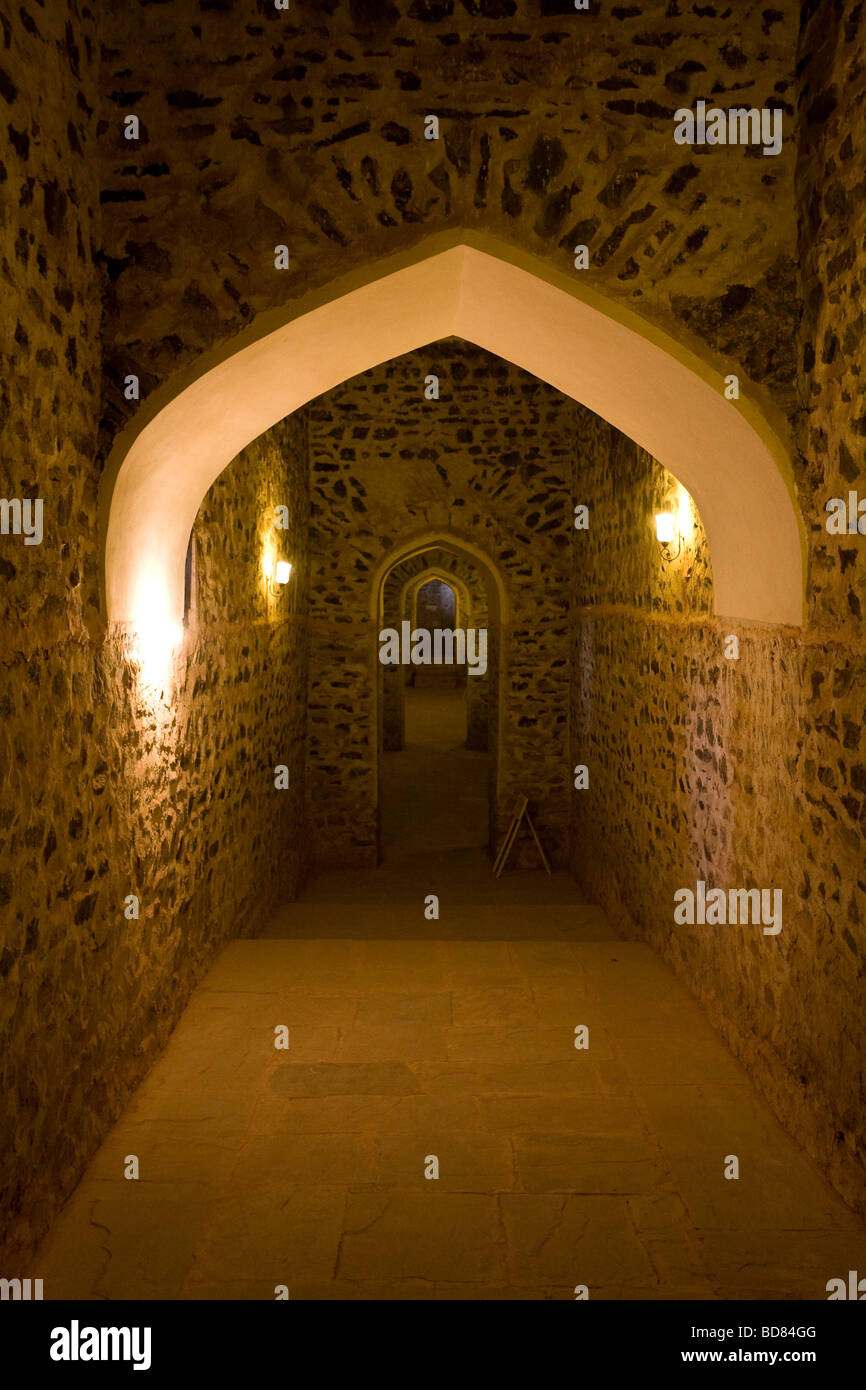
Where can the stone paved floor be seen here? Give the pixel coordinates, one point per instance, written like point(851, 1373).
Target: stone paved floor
point(455, 1038)
point(557, 1167)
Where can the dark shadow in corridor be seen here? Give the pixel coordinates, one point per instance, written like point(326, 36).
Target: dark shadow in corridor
point(434, 835)
point(434, 830)
point(434, 791)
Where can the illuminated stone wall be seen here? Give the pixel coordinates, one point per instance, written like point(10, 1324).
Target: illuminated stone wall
point(745, 773)
point(306, 128)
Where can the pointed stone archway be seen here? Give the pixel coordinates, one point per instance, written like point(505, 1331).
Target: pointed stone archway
point(638, 378)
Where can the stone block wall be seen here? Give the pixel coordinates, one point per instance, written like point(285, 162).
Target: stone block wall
point(831, 382)
point(51, 380)
point(699, 768)
point(112, 790)
point(306, 128)
point(489, 462)
point(52, 767)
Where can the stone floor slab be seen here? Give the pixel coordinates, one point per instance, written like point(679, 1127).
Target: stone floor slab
point(262, 1167)
point(573, 1240)
point(430, 1234)
point(586, 1163)
point(468, 1161)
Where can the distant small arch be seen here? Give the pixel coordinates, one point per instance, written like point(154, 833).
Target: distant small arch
point(448, 540)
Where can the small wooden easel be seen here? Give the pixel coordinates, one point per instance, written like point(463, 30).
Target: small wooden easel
point(520, 811)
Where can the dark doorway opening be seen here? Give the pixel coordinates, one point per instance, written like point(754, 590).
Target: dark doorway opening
point(435, 768)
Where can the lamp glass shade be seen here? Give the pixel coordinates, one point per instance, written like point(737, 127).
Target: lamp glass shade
point(283, 572)
point(665, 526)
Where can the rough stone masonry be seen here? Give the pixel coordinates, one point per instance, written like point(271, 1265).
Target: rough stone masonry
point(306, 128)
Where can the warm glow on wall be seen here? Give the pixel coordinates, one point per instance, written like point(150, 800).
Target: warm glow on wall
point(675, 526)
point(154, 637)
point(665, 531)
point(685, 524)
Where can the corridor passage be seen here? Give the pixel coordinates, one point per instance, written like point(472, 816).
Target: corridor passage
point(434, 792)
point(408, 1038)
point(418, 413)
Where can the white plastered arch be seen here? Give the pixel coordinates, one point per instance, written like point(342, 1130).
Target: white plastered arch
point(636, 377)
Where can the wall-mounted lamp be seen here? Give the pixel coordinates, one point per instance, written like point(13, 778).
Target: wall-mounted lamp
point(667, 532)
point(277, 576)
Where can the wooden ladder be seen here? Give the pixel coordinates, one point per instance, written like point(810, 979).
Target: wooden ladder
point(520, 813)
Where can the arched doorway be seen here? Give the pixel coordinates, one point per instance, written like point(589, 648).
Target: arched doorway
point(631, 374)
point(443, 716)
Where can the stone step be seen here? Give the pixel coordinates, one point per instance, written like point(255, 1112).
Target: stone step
point(459, 921)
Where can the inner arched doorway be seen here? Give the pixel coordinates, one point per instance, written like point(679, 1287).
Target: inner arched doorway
point(439, 703)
